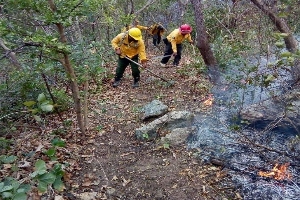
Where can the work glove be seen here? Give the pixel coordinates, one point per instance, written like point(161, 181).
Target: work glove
point(175, 54)
point(144, 62)
point(118, 51)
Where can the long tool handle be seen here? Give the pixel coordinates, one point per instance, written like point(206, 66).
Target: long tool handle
point(159, 57)
point(147, 69)
point(194, 50)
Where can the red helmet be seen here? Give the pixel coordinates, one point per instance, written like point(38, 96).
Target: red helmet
point(185, 29)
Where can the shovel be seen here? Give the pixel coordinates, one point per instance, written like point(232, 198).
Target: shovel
point(162, 78)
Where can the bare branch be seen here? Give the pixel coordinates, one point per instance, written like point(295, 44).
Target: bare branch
point(11, 54)
point(149, 2)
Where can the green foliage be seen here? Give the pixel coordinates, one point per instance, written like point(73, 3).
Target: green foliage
point(51, 152)
point(284, 59)
point(62, 100)
point(4, 159)
point(228, 52)
point(99, 128)
point(20, 86)
point(5, 143)
point(56, 142)
point(32, 24)
point(39, 106)
point(10, 189)
point(145, 136)
point(166, 146)
point(45, 177)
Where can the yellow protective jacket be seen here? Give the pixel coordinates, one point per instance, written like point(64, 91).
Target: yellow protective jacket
point(175, 37)
point(137, 26)
point(154, 30)
point(129, 49)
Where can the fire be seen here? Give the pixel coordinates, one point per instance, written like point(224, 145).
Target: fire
point(279, 172)
point(209, 101)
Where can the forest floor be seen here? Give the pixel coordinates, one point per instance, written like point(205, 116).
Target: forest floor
point(108, 162)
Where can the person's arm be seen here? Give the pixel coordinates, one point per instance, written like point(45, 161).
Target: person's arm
point(172, 37)
point(189, 38)
point(142, 52)
point(115, 42)
point(141, 27)
point(173, 43)
point(162, 32)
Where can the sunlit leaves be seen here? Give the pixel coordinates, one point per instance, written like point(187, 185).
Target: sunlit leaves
point(280, 44)
point(29, 103)
point(286, 54)
point(268, 79)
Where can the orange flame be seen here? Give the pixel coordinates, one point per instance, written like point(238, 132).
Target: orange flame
point(279, 172)
point(209, 101)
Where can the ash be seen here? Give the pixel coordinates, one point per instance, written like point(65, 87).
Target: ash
point(246, 151)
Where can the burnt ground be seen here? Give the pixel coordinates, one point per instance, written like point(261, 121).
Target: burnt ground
point(110, 163)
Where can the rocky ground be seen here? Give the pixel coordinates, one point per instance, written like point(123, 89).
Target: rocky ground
point(115, 165)
point(110, 163)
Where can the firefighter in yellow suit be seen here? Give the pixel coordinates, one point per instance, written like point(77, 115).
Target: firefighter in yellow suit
point(131, 45)
point(173, 44)
point(157, 31)
point(135, 25)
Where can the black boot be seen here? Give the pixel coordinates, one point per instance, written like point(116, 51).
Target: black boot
point(116, 82)
point(136, 82)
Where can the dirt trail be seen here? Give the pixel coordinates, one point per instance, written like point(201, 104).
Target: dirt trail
point(118, 166)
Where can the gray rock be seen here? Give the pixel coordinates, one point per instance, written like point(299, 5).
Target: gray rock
point(154, 109)
point(284, 109)
point(179, 135)
point(172, 120)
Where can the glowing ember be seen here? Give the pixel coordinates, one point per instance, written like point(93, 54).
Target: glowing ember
point(209, 101)
point(279, 172)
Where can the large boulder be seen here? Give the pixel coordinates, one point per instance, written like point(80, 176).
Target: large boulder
point(283, 110)
point(169, 121)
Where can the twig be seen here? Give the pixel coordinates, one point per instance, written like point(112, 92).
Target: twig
point(85, 100)
point(224, 27)
point(102, 169)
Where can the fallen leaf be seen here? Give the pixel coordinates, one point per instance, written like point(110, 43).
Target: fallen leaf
point(125, 182)
point(88, 195)
point(114, 178)
point(58, 198)
point(86, 183)
point(24, 164)
point(39, 148)
point(6, 166)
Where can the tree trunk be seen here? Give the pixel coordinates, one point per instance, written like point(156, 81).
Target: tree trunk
point(202, 40)
point(281, 25)
point(71, 73)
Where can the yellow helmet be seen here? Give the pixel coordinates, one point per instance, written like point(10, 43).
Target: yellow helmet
point(135, 33)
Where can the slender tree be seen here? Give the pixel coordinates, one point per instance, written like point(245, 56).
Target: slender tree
point(70, 70)
point(202, 40)
point(280, 24)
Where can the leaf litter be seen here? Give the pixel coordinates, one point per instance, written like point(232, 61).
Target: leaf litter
point(109, 162)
